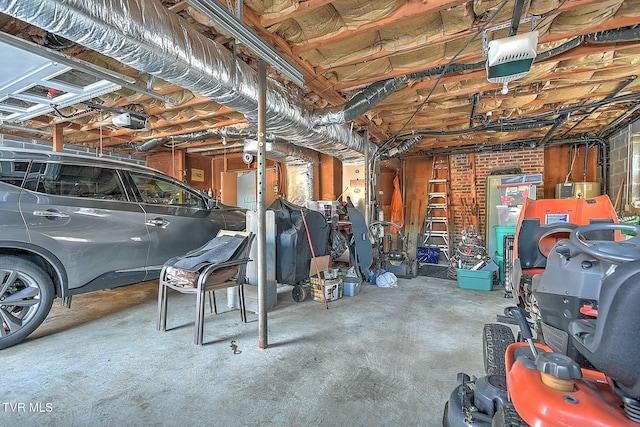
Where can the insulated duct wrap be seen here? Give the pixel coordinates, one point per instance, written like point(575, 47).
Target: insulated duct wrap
point(282, 152)
point(360, 103)
point(300, 180)
point(144, 35)
point(292, 154)
point(627, 34)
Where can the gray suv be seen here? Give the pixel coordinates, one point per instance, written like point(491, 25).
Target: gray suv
point(73, 224)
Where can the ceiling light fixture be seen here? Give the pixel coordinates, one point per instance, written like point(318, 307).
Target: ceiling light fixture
point(245, 35)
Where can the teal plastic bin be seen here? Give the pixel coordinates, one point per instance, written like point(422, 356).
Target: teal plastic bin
point(478, 280)
point(500, 262)
point(501, 232)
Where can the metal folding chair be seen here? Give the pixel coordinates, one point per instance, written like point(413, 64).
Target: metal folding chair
point(204, 271)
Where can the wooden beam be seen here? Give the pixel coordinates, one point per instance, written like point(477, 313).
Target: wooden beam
point(58, 138)
point(179, 7)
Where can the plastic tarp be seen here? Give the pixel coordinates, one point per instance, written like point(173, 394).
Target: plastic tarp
point(293, 253)
point(397, 211)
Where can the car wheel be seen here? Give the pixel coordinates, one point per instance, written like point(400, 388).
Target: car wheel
point(495, 340)
point(26, 296)
point(507, 416)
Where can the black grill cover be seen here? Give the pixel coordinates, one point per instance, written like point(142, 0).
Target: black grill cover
point(293, 254)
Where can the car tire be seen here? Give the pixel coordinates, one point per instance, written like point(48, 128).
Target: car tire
point(495, 340)
point(26, 297)
point(507, 416)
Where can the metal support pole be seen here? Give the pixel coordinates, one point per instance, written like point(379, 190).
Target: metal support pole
point(261, 199)
point(367, 180)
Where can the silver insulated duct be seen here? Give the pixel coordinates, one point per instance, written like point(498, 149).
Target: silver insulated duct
point(144, 35)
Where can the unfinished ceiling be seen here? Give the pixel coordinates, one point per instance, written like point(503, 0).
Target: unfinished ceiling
point(411, 72)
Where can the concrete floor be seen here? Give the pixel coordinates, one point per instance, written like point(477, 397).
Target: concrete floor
point(386, 357)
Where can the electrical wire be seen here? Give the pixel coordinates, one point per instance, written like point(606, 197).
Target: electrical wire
point(575, 154)
point(442, 73)
point(71, 116)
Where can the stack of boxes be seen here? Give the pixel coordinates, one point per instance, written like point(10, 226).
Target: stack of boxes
point(330, 282)
point(334, 285)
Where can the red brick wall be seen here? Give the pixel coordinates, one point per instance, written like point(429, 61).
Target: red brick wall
point(461, 203)
point(530, 161)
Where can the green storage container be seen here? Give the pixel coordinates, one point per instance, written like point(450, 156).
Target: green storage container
point(500, 262)
point(478, 280)
point(501, 232)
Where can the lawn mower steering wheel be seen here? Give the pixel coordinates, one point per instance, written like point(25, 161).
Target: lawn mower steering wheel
point(617, 252)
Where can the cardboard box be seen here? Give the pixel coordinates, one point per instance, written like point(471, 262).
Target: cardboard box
point(322, 263)
point(332, 288)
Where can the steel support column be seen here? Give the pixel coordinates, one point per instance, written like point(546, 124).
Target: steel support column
point(261, 199)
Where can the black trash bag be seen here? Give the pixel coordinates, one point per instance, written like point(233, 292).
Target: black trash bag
point(338, 243)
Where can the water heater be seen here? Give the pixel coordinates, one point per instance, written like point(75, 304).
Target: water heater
point(577, 190)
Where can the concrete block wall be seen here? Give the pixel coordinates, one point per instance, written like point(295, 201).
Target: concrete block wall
point(619, 151)
point(624, 168)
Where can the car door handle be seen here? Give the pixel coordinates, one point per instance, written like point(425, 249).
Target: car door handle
point(51, 214)
point(158, 222)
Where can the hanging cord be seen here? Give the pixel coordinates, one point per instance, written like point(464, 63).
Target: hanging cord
point(100, 153)
point(173, 160)
point(575, 154)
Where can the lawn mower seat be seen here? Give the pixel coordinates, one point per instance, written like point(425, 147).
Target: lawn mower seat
point(533, 237)
point(610, 342)
point(535, 240)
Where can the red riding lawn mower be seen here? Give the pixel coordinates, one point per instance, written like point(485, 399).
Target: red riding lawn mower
point(581, 295)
